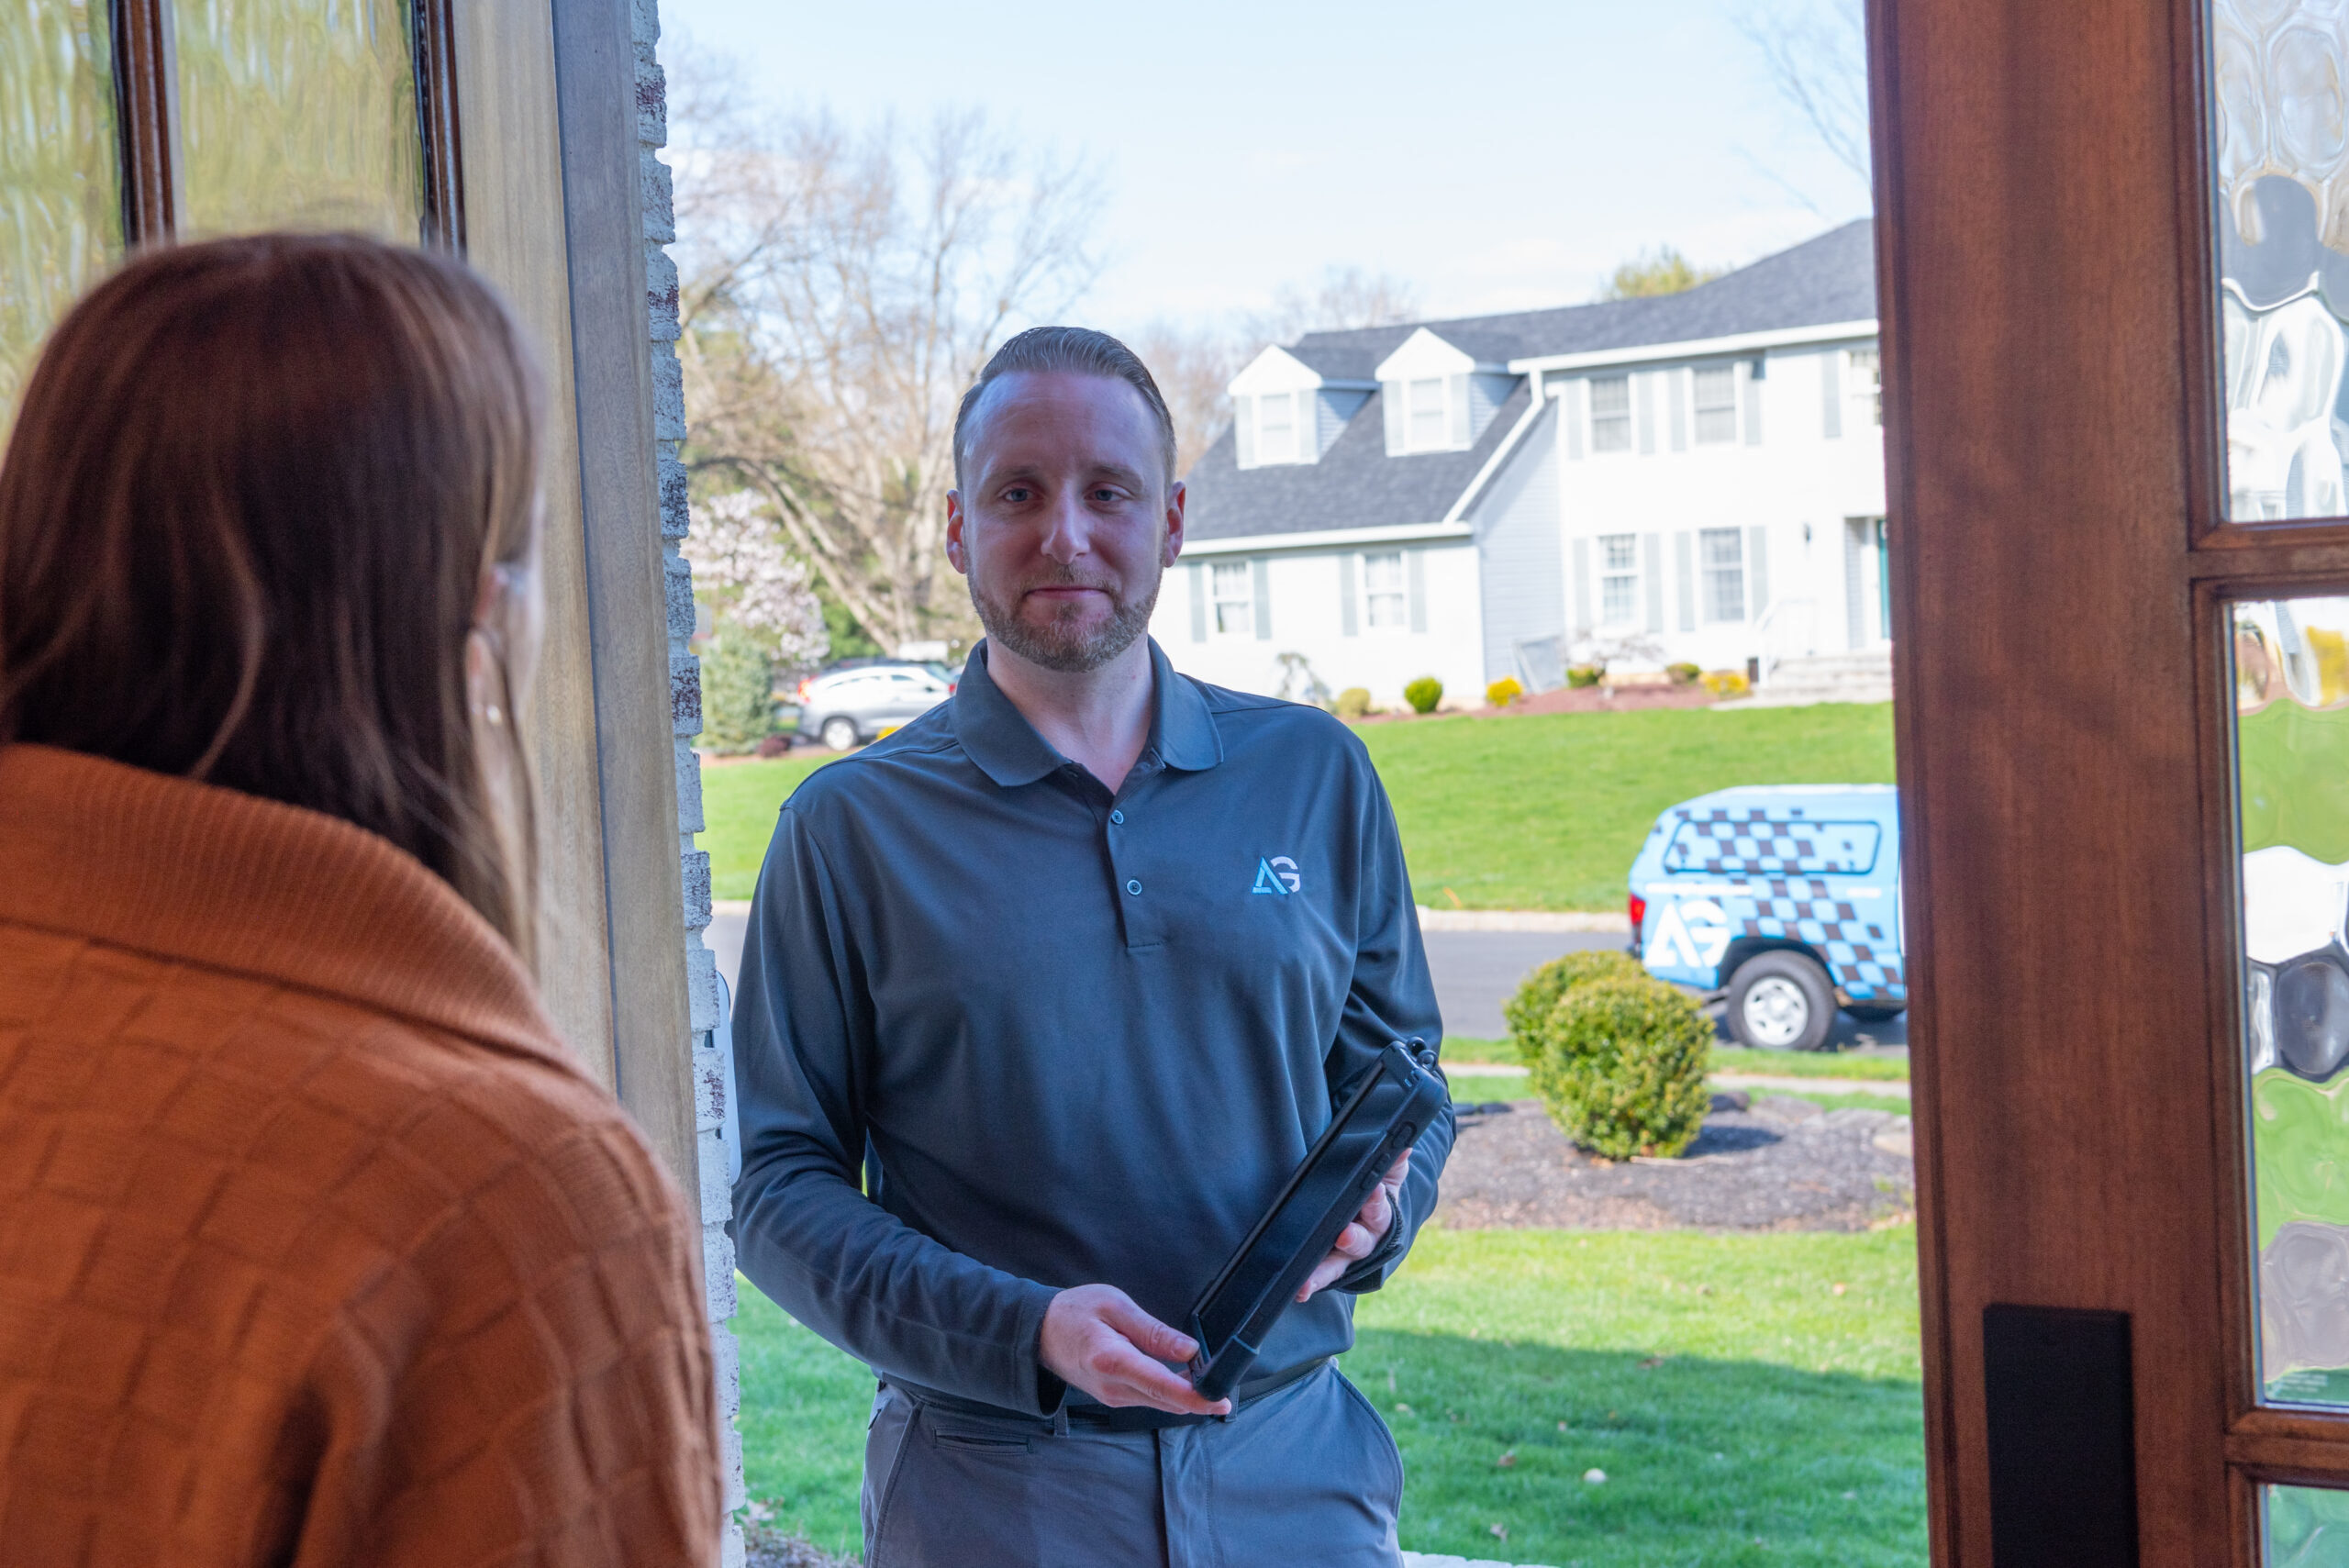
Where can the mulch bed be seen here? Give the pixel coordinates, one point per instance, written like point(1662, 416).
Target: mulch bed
point(1779, 1165)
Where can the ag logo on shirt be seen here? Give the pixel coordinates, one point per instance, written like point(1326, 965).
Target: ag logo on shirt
point(1278, 875)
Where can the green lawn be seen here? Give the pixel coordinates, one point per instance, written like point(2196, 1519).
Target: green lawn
point(1742, 1409)
point(738, 801)
point(1546, 811)
point(1540, 811)
point(1726, 1059)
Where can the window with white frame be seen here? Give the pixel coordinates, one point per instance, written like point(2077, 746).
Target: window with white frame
point(1715, 403)
point(1276, 428)
point(1618, 579)
point(1387, 602)
point(1867, 382)
point(1610, 413)
point(1234, 600)
point(1430, 414)
point(1721, 556)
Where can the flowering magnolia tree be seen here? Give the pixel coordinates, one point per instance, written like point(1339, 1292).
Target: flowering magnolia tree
point(742, 571)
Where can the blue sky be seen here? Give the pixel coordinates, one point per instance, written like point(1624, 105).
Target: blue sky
point(1499, 157)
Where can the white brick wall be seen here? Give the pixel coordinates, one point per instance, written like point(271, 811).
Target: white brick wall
point(684, 691)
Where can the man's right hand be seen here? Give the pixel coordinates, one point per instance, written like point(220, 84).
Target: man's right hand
point(1096, 1338)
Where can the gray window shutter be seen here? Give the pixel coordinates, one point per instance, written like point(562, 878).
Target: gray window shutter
point(1582, 587)
point(1570, 410)
point(1675, 392)
point(1415, 573)
point(1198, 603)
point(1757, 570)
point(1654, 553)
point(1830, 394)
point(1684, 556)
point(1243, 429)
point(1459, 400)
point(1390, 398)
point(1749, 374)
point(1644, 389)
point(1263, 595)
point(1308, 425)
point(1346, 593)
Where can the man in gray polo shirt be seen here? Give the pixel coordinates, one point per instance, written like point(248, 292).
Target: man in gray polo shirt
point(1043, 998)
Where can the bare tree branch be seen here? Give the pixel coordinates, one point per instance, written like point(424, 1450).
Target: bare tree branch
point(841, 287)
point(1815, 53)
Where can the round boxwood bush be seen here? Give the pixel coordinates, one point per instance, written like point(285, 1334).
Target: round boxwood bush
point(1424, 693)
point(1622, 1068)
point(1537, 996)
point(1353, 702)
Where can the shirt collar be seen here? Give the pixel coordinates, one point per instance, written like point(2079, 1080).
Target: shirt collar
point(998, 738)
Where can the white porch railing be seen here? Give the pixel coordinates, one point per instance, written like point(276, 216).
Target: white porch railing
point(1788, 629)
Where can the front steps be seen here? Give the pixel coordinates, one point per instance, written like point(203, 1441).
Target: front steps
point(1826, 677)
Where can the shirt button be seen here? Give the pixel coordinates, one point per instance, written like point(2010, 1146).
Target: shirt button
point(1134, 887)
point(1116, 817)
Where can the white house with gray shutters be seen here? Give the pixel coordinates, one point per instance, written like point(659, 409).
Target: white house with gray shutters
point(1699, 477)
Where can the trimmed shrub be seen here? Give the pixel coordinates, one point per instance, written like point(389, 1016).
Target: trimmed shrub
point(1727, 682)
point(1683, 674)
point(1424, 693)
point(1503, 692)
point(1353, 702)
point(1584, 674)
point(1622, 1068)
point(737, 706)
point(1537, 995)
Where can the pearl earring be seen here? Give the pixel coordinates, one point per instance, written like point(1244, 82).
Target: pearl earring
point(494, 714)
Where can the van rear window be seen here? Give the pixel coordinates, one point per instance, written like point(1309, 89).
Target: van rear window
point(1746, 842)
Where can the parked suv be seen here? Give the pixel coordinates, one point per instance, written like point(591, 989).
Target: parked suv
point(847, 708)
point(1786, 898)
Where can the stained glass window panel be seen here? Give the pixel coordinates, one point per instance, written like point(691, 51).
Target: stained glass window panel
point(299, 114)
point(2303, 1527)
point(2291, 682)
point(61, 195)
point(2279, 83)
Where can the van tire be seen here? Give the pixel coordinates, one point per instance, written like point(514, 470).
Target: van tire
point(1781, 1000)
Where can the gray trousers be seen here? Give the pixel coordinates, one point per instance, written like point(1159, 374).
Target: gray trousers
point(1309, 1474)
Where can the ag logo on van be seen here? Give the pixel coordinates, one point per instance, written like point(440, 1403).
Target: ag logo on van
point(1691, 934)
point(1278, 875)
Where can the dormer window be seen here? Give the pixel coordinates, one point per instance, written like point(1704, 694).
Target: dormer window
point(1277, 427)
point(1430, 414)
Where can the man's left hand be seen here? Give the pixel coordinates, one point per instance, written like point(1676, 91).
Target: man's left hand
point(1364, 1232)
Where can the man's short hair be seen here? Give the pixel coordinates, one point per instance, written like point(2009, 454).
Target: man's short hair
point(1077, 350)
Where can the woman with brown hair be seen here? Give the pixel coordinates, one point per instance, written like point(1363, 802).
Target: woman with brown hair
point(315, 1248)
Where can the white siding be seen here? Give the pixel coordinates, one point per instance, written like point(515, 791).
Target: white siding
point(1523, 549)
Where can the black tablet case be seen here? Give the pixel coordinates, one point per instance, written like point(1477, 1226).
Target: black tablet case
point(1381, 1118)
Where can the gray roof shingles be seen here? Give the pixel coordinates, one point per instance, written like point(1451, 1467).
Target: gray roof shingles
point(1356, 484)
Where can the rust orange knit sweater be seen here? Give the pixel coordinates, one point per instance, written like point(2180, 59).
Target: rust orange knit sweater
point(315, 1247)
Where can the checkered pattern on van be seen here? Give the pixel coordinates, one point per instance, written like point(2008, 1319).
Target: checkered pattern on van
point(1861, 948)
point(1760, 840)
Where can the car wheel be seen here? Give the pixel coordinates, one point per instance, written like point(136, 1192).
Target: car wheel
point(839, 733)
point(1875, 1012)
point(1780, 1001)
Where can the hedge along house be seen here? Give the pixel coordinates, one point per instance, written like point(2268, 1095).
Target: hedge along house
point(1698, 476)
point(522, 135)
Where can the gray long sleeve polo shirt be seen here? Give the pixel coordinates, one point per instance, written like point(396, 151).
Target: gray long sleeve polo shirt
point(1001, 1032)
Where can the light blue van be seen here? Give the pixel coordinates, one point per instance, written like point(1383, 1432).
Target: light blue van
point(1786, 897)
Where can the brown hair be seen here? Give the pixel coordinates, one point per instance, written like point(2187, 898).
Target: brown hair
point(244, 518)
point(1077, 350)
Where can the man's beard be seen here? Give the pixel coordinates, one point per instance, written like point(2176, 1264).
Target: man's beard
point(1059, 644)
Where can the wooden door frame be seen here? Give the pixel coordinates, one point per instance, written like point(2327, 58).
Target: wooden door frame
point(2065, 733)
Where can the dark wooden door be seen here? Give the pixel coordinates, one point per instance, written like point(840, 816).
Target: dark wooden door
point(2109, 238)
